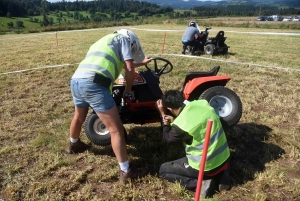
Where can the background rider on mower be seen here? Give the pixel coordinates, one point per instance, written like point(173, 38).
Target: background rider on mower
point(190, 38)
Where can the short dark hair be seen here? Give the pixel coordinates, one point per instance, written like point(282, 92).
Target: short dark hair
point(172, 99)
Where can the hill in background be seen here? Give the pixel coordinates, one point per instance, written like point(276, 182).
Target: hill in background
point(181, 4)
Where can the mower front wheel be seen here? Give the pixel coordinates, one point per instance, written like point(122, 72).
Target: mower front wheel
point(97, 132)
point(226, 104)
point(209, 49)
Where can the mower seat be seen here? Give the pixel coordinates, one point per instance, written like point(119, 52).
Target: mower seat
point(192, 75)
point(220, 36)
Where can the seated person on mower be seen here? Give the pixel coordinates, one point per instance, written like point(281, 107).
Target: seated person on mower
point(189, 126)
point(190, 37)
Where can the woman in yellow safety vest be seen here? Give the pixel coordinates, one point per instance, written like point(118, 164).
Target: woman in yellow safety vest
point(91, 86)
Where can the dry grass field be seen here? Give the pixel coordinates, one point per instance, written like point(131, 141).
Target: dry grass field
point(36, 109)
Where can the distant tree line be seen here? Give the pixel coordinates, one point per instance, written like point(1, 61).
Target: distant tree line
point(22, 8)
point(97, 9)
point(108, 10)
point(243, 10)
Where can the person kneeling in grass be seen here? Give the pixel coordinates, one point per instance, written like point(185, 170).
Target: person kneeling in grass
point(189, 126)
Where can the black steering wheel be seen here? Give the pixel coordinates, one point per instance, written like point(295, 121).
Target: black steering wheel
point(165, 64)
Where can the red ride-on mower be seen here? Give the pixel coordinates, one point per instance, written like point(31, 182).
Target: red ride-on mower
point(142, 110)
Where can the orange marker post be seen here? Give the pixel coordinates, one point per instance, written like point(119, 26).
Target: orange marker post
point(163, 45)
point(203, 160)
point(56, 40)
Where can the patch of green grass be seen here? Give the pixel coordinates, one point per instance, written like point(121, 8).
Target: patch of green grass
point(36, 110)
point(69, 23)
point(27, 24)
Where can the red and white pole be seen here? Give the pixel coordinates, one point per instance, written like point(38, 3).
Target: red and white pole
point(203, 160)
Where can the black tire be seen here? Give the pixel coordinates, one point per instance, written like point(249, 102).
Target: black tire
point(188, 49)
point(96, 131)
point(225, 50)
point(209, 49)
point(226, 104)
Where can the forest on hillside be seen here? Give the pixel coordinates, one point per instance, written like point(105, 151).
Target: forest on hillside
point(244, 10)
point(115, 10)
point(180, 4)
point(23, 8)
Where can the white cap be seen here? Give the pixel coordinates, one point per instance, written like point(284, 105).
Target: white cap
point(136, 48)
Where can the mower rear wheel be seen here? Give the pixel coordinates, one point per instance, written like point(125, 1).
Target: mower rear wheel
point(226, 104)
point(225, 50)
point(188, 49)
point(97, 132)
point(209, 49)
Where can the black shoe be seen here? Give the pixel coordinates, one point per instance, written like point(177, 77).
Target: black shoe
point(225, 181)
point(77, 147)
point(134, 173)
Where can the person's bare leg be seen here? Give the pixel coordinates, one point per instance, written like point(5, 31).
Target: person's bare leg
point(77, 121)
point(113, 123)
point(76, 145)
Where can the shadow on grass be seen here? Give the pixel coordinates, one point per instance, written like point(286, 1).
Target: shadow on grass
point(231, 53)
point(102, 150)
point(216, 55)
point(146, 146)
point(250, 149)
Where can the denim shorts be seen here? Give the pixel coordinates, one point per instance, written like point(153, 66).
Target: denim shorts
point(87, 93)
